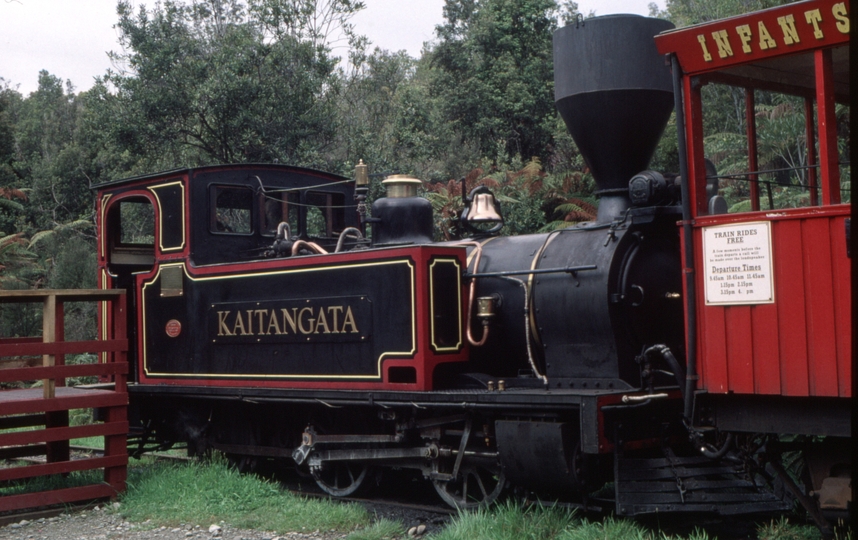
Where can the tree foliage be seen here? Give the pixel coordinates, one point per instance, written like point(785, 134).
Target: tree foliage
point(7, 136)
point(375, 103)
point(322, 23)
point(220, 82)
point(50, 156)
point(691, 12)
point(493, 74)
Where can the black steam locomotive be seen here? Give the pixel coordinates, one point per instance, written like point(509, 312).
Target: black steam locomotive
point(268, 326)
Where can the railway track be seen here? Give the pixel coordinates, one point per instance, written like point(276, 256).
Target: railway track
point(401, 499)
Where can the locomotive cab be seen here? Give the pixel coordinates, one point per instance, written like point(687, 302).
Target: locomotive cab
point(220, 287)
point(161, 225)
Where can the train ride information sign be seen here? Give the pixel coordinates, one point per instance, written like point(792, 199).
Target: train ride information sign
point(738, 264)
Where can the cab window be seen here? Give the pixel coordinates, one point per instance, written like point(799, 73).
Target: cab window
point(325, 214)
point(279, 207)
point(232, 210)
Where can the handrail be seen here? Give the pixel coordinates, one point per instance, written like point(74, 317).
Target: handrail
point(52, 345)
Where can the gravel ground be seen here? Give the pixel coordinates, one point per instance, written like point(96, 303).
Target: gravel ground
point(102, 523)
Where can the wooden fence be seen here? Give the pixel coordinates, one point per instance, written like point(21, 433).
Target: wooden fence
point(35, 421)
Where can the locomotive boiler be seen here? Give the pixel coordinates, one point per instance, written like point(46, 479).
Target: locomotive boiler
point(277, 317)
point(599, 293)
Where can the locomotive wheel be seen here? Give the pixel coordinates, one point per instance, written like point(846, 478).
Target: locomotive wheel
point(341, 478)
point(477, 485)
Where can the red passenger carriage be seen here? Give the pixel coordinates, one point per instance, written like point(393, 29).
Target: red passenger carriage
point(768, 289)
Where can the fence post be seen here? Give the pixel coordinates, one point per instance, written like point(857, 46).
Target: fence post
point(57, 450)
point(115, 445)
point(49, 335)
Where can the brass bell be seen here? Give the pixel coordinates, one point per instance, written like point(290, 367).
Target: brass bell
point(484, 208)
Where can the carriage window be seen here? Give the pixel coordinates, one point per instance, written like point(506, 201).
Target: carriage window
point(279, 207)
point(764, 146)
point(325, 214)
point(782, 176)
point(232, 210)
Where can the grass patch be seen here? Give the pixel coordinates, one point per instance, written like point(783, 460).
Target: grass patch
point(782, 529)
point(89, 442)
point(203, 493)
point(509, 521)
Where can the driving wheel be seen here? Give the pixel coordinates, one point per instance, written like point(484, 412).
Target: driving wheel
point(340, 478)
point(477, 484)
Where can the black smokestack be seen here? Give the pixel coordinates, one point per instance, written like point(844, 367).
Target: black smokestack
point(615, 94)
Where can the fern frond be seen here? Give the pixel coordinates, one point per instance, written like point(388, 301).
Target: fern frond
point(11, 205)
point(39, 236)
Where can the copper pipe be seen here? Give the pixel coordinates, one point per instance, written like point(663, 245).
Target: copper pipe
point(309, 245)
point(478, 249)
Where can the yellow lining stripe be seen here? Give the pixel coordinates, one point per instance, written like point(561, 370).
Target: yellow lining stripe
point(161, 215)
point(104, 315)
point(454, 262)
point(275, 273)
point(103, 226)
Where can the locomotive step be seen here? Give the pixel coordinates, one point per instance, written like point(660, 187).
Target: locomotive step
point(689, 484)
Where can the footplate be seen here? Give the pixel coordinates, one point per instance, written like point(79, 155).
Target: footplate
point(688, 484)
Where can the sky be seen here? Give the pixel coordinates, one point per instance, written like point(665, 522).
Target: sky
point(71, 38)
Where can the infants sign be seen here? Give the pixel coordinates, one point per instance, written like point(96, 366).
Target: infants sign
point(738, 264)
point(795, 27)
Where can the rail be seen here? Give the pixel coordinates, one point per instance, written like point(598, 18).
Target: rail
point(35, 421)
